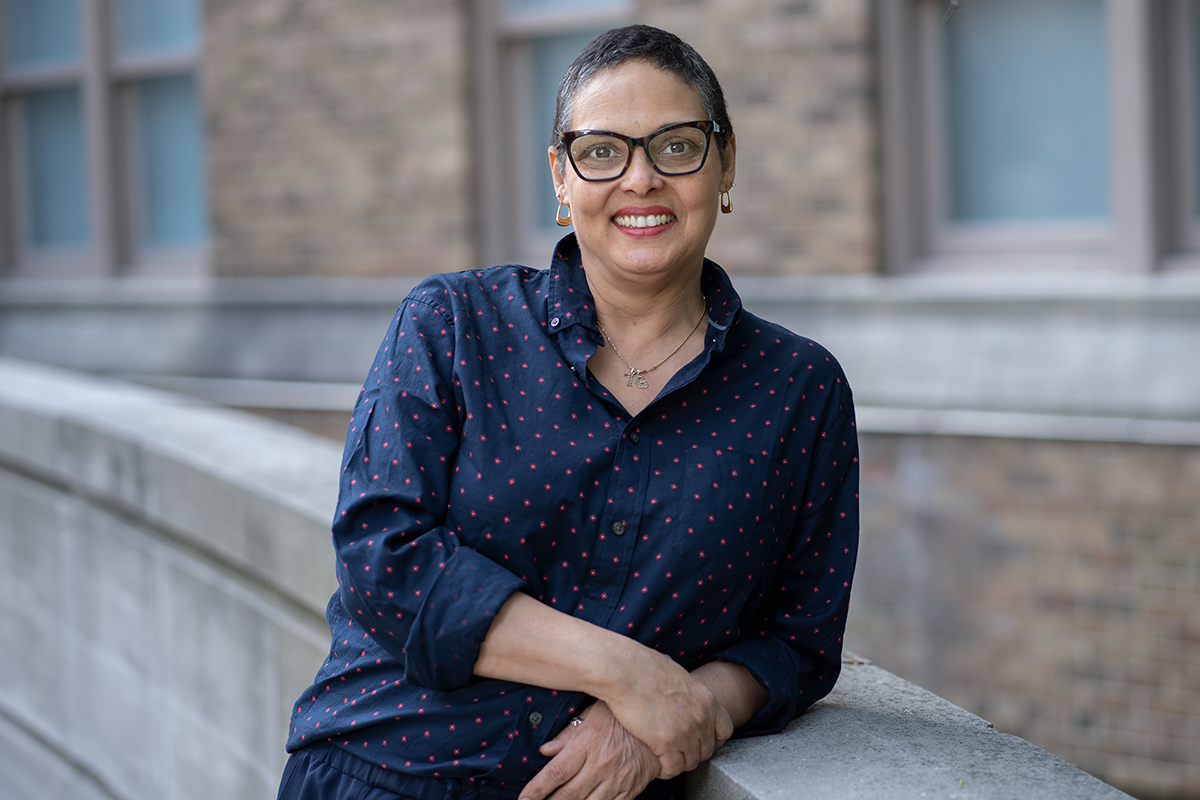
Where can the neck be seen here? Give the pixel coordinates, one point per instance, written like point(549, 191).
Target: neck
point(644, 312)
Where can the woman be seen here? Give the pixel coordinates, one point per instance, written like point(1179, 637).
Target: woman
point(595, 519)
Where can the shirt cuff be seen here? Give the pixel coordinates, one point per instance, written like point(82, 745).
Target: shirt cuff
point(443, 644)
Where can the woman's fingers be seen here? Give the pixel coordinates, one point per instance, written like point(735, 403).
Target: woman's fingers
point(555, 745)
point(562, 768)
point(598, 760)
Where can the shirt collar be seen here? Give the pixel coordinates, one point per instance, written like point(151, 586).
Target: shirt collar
point(569, 301)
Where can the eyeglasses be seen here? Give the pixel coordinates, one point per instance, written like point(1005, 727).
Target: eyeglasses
point(679, 149)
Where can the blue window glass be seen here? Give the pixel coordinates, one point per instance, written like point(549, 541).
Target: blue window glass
point(1027, 118)
point(524, 6)
point(148, 27)
point(170, 162)
point(56, 213)
point(40, 33)
point(550, 57)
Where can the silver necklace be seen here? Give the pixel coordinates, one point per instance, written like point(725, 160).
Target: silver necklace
point(635, 375)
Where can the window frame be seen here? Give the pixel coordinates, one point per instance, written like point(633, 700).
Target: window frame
point(105, 81)
point(1181, 139)
point(917, 239)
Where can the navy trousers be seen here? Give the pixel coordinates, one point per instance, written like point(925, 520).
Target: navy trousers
point(324, 772)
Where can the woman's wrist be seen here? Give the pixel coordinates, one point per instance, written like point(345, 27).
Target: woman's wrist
point(735, 688)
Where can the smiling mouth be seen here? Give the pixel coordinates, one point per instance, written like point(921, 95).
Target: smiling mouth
point(647, 221)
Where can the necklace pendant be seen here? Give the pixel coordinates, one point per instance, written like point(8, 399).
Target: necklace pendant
point(636, 379)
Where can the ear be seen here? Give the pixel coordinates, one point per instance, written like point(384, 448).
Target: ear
point(560, 185)
point(728, 168)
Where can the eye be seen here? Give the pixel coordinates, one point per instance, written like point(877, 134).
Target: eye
point(599, 151)
point(676, 150)
point(596, 150)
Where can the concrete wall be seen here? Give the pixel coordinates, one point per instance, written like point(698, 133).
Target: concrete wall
point(163, 569)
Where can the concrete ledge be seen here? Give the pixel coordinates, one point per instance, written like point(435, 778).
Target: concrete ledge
point(255, 495)
point(164, 566)
point(1042, 345)
point(877, 736)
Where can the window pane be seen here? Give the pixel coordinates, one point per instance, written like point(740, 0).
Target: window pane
point(55, 176)
point(170, 162)
point(40, 33)
point(156, 26)
point(549, 58)
point(1027, 111)
point(525, 6)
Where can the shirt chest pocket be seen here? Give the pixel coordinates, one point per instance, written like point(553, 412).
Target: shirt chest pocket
point(732, 525)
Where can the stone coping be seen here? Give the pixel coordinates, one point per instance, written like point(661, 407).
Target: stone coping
point(878, 736)
point(1041, 345)
point(251, 493)
point(257, 495)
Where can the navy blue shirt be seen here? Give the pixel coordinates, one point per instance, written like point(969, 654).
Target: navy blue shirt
point(720, 523)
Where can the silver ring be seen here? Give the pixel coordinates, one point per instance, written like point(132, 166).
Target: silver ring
point(576, 721)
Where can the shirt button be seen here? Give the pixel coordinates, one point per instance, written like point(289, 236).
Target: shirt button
point(535, 718)
point(481, 782)
point(618, 528)
point(633, 437)
point(554, 322)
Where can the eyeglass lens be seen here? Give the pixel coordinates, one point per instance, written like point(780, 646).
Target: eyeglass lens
point(676, 151)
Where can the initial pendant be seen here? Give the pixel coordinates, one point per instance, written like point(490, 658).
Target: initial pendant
point(636, 379)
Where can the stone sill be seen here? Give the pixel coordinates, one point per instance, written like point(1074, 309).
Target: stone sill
point(878, 736)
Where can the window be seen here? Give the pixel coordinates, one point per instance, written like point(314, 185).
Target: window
point(1025, 124)
point(1025, 134)
point(1183, 23)
point(524, 46)
point(103, 154)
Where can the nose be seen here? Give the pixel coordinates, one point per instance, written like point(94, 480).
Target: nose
point(641, 176)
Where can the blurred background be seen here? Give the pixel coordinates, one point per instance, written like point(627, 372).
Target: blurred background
point(992, 219)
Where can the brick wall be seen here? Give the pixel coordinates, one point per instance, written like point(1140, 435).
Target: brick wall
point(1051, 587)
point(799, 76)
point(336, 135)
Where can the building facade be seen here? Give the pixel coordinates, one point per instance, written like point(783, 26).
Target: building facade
point(989, 210)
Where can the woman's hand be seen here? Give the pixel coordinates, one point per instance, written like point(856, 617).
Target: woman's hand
point(596, 760)
point(672, 712)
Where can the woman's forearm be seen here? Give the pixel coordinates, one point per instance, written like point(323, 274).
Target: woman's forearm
point(735, 688)
point(530, 642)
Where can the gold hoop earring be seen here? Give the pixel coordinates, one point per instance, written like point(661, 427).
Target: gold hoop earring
point(726, 200)
point(559, 219)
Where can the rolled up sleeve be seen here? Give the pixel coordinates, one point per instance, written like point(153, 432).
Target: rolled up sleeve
point(404, 576)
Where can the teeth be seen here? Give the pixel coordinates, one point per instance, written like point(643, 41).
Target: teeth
point(649, 221)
